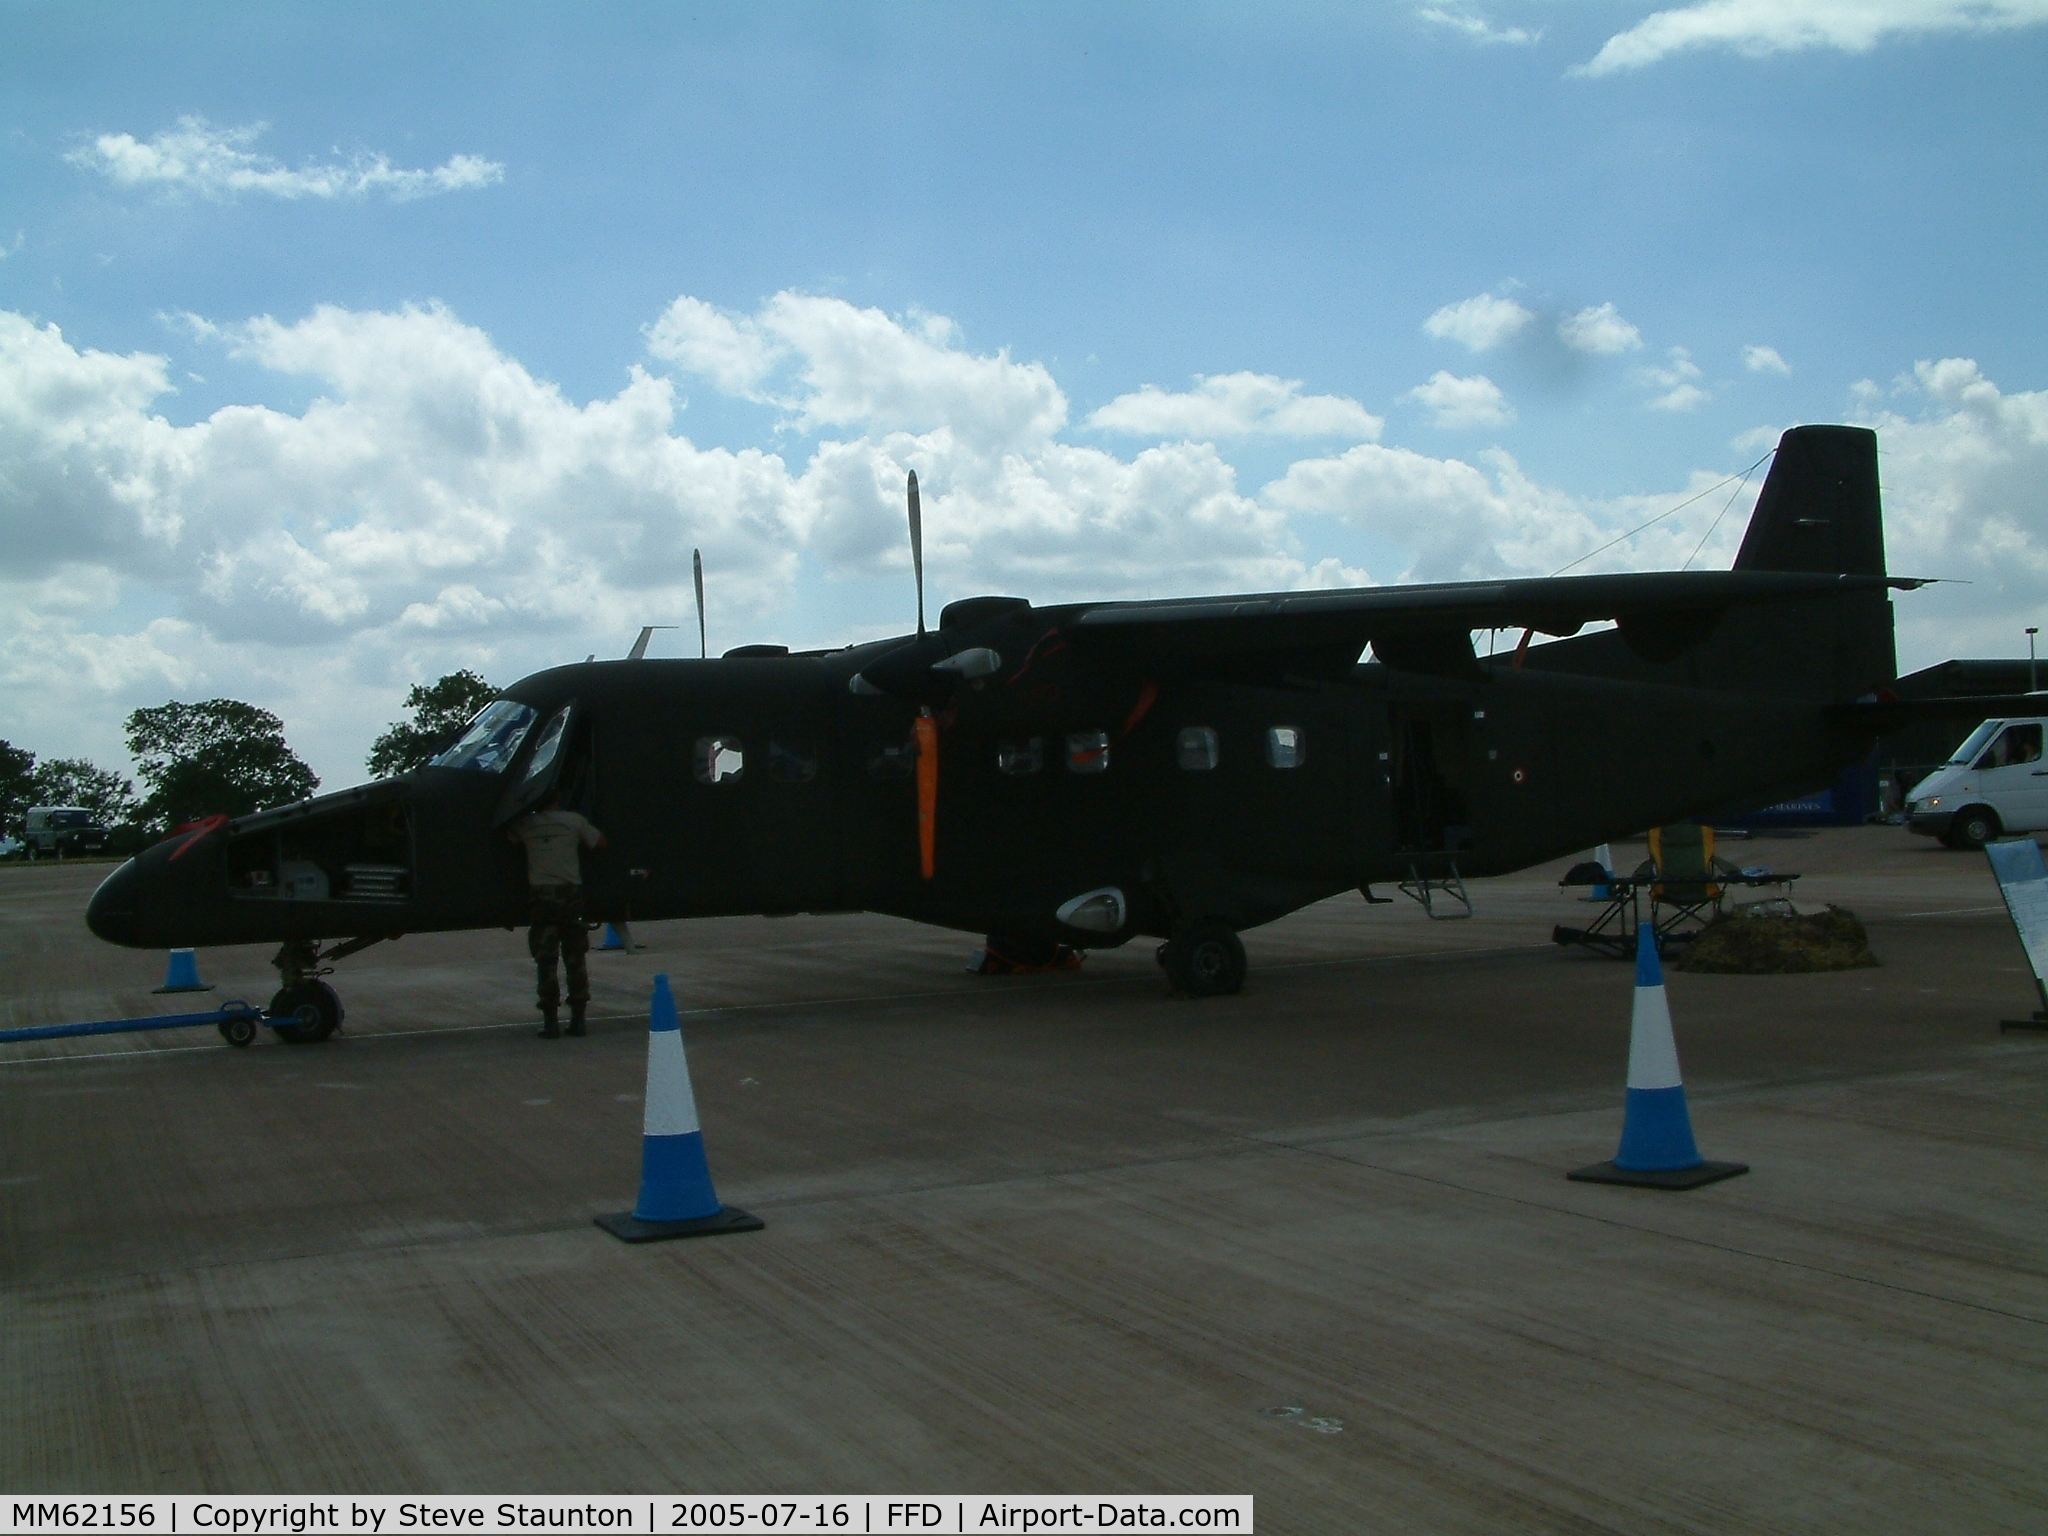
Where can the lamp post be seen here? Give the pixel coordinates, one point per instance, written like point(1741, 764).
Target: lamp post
point(2033, 667)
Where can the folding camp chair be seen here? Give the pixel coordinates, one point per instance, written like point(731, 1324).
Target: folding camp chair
point(1685, 893)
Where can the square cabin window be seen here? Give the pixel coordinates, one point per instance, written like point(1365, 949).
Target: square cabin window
point(1196, 750)
point(1286, 747)
point(719, 758)
point(1017, 758)
point(1088, 752)
point(791, 762)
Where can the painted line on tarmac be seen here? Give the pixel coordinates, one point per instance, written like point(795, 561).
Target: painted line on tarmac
point(1951, 912)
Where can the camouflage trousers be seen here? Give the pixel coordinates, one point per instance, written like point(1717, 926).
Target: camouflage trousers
point(556, 912)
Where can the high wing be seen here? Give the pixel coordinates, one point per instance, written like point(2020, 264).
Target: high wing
point(1423, 628)
point(1427, 628)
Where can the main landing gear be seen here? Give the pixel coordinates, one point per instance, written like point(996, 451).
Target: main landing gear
point(1204, 959)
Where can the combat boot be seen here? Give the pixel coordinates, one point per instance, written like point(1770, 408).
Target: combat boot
point(576, 1019)
point(550, 1028)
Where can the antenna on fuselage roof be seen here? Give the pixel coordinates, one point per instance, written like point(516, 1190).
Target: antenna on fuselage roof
point(639, 651)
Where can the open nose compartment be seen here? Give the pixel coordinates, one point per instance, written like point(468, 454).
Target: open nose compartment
point(360, 850)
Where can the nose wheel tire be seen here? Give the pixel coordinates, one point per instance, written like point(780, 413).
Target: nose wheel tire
point(314, 1009)
point(1205, 959)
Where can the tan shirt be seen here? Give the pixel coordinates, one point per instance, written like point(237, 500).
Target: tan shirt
point(552, 839)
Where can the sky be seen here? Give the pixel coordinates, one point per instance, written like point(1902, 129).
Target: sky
point(342, 346)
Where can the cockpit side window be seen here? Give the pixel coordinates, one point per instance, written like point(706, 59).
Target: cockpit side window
point(549, 743)
point(492, 740)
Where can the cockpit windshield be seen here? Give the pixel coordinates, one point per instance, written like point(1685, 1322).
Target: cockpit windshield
point(492, 739)
point(1974, 743)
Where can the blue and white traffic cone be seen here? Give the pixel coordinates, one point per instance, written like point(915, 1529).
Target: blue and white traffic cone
point(611, 939)
point(183, 974)
point(676, 1197)
point(1657, 1149)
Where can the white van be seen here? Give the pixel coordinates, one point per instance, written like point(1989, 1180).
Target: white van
point(1996, 782)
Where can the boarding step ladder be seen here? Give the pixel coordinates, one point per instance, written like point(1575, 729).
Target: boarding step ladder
point(1427, 889)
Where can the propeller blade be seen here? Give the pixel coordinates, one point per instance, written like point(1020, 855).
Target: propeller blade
point(697, 569)
point(917, 549)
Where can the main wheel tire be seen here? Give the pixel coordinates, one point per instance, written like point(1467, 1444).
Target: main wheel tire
point(315, 1008)
point(1206, 959)
point(1974, 826)
point(238, 1032)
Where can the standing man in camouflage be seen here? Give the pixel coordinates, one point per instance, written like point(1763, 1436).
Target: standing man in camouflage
point(554, 840)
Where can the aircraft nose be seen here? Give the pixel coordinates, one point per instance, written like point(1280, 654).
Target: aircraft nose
point(111, 913)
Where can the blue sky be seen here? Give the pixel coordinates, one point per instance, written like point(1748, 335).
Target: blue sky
point(343, 346)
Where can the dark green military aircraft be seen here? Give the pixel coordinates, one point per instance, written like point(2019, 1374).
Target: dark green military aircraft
point(1089, 773)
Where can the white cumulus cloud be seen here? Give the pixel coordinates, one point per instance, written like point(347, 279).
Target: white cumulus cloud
point(1455, 402)
point(195, 156)
point(1237, 405)
point(1761, 27)
point(834, 365)
point(1677, 381)
point(1599, 329)
point(1470, 24)
point(1480, 323)
point(1963, 466)
point(1764, 360)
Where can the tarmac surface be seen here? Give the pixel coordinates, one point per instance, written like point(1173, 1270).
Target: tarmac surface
point(1057, 1233)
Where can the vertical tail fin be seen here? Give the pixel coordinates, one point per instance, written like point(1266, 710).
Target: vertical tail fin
point(1819, 508)
point(1819, 511)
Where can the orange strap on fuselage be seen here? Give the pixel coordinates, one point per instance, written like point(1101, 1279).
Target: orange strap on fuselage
point(926, 731)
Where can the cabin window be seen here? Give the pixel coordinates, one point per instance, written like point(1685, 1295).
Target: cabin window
point(492, 738)
point(791, 762)
point(548, 745)
point(1088, 752)
point(1196, 749)
point(719, 758)
point(1286, 747)
point(893, 759)
point(1018, 758)
point(2018, 744)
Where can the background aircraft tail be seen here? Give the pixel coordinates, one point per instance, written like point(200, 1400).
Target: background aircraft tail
point(1819, 511)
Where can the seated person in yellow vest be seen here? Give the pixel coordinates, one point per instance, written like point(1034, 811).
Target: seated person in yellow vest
point(554, 839)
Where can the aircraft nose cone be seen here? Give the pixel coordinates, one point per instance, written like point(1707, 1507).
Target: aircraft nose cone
point(111, 913)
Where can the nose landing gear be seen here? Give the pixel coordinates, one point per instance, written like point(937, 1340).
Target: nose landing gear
point(306, 1010)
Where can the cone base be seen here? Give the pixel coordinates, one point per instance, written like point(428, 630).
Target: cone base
point(201, 987)
point(628, 1228)
point(2038, 1021)
point(1658, 1178)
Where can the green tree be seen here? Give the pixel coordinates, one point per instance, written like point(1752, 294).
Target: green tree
point(74, 781)
point(222, 756)
point(17, 786)
point(439, 712)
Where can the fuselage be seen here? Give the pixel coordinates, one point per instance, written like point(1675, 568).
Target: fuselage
point(768, 784)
